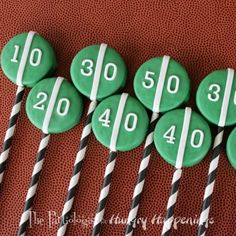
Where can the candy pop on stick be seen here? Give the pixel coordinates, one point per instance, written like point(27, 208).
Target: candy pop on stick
point(161, 84)
point(120, 123)
point(97, 71)
point(183, 138)
point(216, 100)
point(25, 60)
point(54, 106)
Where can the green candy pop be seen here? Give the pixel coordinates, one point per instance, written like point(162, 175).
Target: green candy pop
point(25, 60)
point(168, 133)
point(120, 123)
point(132, 127)
point(231, 146)
point(183, 138)
point(54, 106)
point(161, 84)
point(216, 100)
point(216, 95)
point(97, 71)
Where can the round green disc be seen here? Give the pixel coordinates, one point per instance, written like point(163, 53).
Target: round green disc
point(54, 105)
point(169, 134)
point(126, 134)
point(162, 84)
point(212, 94)
point(231, 146)
point(27, 58)
point(98, 71)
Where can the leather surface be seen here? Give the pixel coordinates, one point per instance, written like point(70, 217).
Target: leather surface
point(199, 34)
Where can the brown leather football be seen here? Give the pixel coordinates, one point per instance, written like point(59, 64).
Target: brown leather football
point(201, 35)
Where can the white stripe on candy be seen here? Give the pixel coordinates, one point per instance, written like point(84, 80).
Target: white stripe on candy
point(98, 70)
point(160, 84)
point(227, 93)
point(183, 138)
point(51, 104)
point(116, 127)
point(24, 57)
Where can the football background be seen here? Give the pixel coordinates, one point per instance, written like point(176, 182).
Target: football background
point(201, 35)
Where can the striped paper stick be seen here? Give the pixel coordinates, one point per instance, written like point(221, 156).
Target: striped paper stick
point(216, 155)
point(210, 182)
point(177, 174)
point(10, 131)
point(141, 175)
point(77, 170)
point(33, 185)
point(104, 193)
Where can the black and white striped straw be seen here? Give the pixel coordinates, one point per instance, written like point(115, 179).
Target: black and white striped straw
point(40, 159)
point(83, 144)
point(141, 176)
point(177, 174)
point(202, 226)
point(147, 148)
point(77, 170)
point(104, 193)
point(10, 131)
point(25, 217)
point(171, 202)
point(109, 167)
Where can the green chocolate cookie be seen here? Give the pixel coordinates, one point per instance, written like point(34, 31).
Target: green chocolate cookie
point(162, 84)
point(54, 105)
point(98, 71)
point(27, 58)
point(170, 132)
point(120, 122)
point(216, 97)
